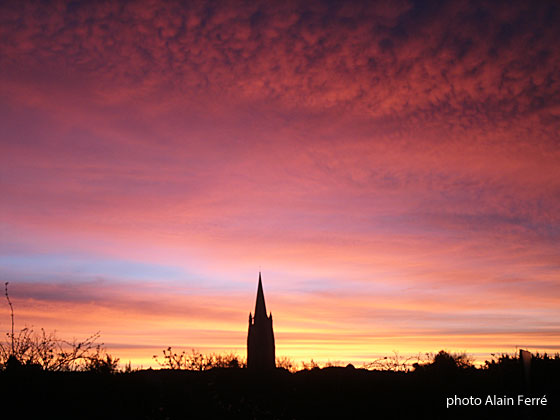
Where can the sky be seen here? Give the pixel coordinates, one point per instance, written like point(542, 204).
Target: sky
point(392, 168)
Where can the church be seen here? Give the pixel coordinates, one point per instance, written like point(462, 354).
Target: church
point(261, 354)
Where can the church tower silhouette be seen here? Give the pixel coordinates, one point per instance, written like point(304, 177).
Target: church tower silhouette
point(260, 340)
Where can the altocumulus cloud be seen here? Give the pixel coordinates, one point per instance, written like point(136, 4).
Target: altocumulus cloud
point(456, 64)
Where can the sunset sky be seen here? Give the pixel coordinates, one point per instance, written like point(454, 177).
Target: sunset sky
point(392, 168)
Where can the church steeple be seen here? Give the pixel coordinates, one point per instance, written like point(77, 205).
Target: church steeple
point(260, 340)
point(260, 305)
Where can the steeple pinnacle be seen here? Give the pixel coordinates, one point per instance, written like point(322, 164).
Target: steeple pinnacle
point(260, 306)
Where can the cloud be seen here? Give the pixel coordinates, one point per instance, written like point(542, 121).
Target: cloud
point(456, 66)
point(409, 147)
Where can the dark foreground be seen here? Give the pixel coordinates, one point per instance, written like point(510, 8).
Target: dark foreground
point(237, 393)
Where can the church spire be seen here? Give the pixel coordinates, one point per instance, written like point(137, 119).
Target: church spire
point(260, 305)
point(260, 339)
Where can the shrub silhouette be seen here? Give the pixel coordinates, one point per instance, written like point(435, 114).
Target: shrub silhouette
point(45, 351)
point(198, 361)
point(445, 363)
point(284, 362)
point(394, 363)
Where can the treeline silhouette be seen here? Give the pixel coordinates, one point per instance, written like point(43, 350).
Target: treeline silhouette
point(205, 391)
point(42, 376)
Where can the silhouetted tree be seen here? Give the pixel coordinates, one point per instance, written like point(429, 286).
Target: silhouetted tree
point(198, 361)
point(101, 362)
point(394, 363)
point(311, 365)
point(286, 363)
point(446, 363)
point(47, 352)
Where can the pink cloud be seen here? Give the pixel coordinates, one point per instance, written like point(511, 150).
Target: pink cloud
point(390, 146)
point(365, 60)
